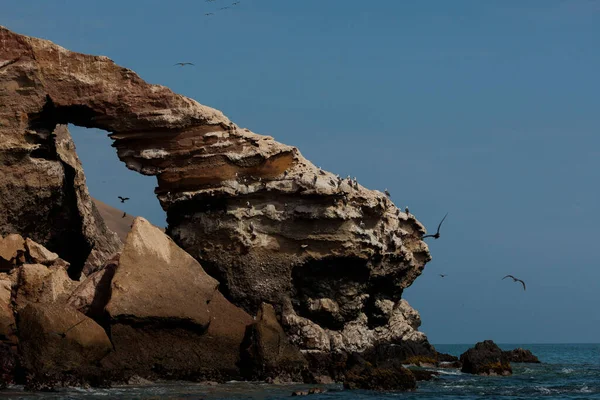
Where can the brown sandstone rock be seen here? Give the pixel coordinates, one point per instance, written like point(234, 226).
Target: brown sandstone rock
point(156, 279)
point(39, 254)
point(91, 296)
point(168, 319)
point(263, 220)
point(267, 352)
point(40, 284)
point(58, 343)
point(12, 249)
point(7, 318)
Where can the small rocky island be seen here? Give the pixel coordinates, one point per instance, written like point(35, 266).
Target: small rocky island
point(270, 268)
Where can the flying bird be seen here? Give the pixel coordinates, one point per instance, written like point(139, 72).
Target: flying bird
point(207, 14)
point(235, 3)
point(515, 280)
point(183, 64)
point(123, 199)
point(223, 8)
point(437, 234)
point(443, 275)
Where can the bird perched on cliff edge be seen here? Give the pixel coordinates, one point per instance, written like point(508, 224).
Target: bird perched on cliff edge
point(124, 215)
point(515, 280)
point(183, 64)
point(387, 193)
point(123, 199)
point(406, 211)
point(437, 234)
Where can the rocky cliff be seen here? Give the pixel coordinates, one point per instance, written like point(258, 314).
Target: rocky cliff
point(331, 256)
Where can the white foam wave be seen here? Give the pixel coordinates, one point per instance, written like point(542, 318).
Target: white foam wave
point(566, 370)
point(585, 389)
point(446, 372)
point(543, 389)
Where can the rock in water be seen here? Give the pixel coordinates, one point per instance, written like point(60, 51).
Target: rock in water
point(59, 345)
point(521, 356)
point(364, 375)
point(267, 352)
point(334, 258)
point(168, 320)
point(486, 358)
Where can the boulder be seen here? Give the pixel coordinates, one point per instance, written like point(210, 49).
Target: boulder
point(364, 375)
point(167, 318)
point(267, 352)
point(92, 295)
point(12, 251)
point(59, 345)
point(423, 374)
point(521, 356)
point(486, 358)
point(40, 284)
point(39, 254)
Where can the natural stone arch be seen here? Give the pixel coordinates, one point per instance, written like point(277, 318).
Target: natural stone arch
point(252, 210)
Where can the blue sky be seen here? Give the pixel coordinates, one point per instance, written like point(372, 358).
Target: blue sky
point(488, 110)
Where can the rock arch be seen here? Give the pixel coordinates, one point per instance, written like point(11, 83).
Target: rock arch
point(252, 210)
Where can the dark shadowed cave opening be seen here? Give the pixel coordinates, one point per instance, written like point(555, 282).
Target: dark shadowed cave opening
point(342, 280)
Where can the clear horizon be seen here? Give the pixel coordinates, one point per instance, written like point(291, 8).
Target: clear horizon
point(486, 110)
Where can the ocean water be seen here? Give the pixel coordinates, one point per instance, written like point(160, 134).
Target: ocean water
point(568, 371)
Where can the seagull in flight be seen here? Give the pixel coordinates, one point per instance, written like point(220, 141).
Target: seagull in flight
point(437, 234)
point(123, 199)
point(443, 275)
point(515, 280)
point(183, 64)
point(223, 8)
point(207, 14)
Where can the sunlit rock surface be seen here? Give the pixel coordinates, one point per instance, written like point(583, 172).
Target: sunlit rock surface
point(331, 256)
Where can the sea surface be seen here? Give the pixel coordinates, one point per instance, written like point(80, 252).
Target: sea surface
point(568, 371)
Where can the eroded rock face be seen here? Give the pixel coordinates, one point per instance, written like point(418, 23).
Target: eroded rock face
point(267, 352)
point(331, 255)
point(167, 318)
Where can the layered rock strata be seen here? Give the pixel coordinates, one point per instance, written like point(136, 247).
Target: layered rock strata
point(332, 256)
